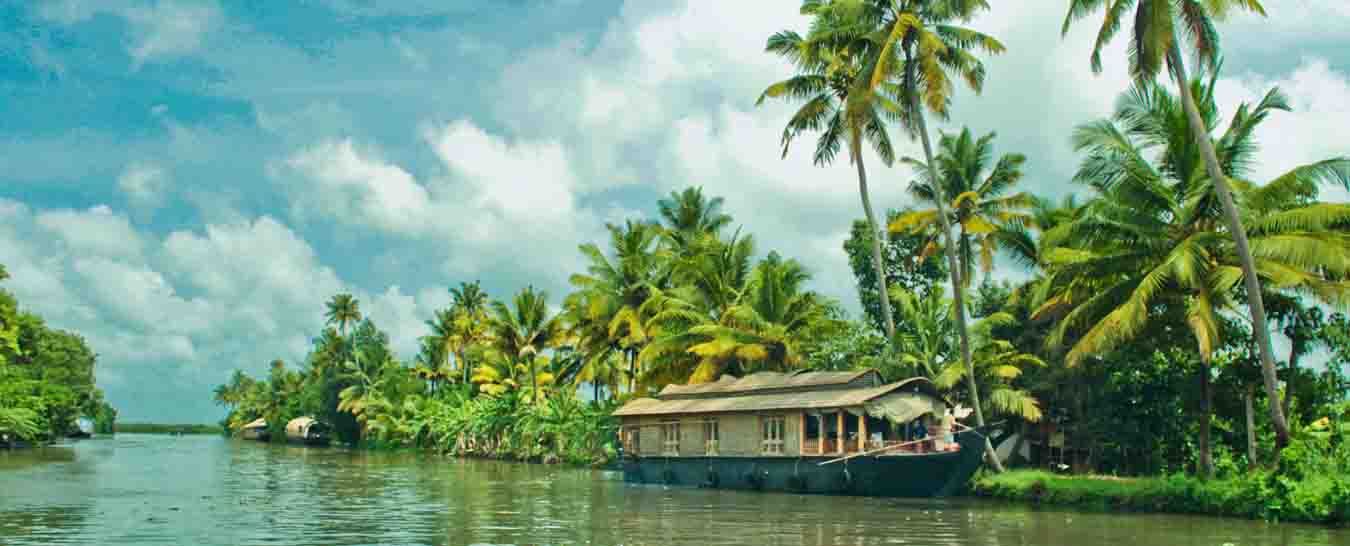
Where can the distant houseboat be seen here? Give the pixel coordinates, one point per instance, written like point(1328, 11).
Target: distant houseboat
point(256, 430)
point(307, 431)
point(805, 432)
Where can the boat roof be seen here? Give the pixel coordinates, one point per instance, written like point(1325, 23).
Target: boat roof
point(300, 424)
point(257, 423)
point(771, 381)
point(805, 399)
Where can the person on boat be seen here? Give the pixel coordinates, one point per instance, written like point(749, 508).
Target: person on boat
point(948, 430)
point(940, 434)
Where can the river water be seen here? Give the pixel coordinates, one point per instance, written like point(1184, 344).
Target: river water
point(144, 489)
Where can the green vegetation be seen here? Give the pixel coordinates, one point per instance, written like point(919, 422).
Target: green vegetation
point(669, 301)
point(163, 428)
point(1312, 487)
point(46, 378)
point(1140, 335)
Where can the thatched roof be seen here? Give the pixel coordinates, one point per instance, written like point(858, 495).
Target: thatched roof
point(825, 396)
point(772, 381)
point(300, 425)
point(256, 423)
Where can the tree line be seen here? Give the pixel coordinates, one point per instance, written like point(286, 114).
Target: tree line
point(46, 378)
point(1143, 330)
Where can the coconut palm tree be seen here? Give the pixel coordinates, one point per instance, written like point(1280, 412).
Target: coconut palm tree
point(525, 329)
point(616, 287)
point(1158, 30)
point(469, 309)
point(343, 310)
point(829, 85)
point(913, 47)
point(1155, 235)
point(764, 330)
point(927, 342)
point(690, 218)
point(981, 205)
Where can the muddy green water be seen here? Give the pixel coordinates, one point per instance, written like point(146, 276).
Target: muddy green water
point(140, 489)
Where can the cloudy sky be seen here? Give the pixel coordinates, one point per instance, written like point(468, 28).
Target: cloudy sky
point(186, 183)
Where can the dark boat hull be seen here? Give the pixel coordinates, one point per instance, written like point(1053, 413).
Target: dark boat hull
point(310, 441)
point(931, 475)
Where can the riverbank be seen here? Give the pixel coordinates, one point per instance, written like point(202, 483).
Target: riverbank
point(1315, 499)
point(162, 428)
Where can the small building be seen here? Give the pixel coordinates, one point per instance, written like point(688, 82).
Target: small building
point(800, 429)
point(255, 430)
point(306, 430)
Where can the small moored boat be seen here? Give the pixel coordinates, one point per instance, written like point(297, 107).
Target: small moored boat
point(307, 431)
point(255, 430)
point(805, 432)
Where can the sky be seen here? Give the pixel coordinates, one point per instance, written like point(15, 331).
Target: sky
point(186, 182)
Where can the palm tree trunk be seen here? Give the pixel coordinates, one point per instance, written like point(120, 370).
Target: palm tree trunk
point(958, 289)
point(877, 264)
point(1289, 382)
point(1206, 464)
point(1254, 303)
point(1251, 426)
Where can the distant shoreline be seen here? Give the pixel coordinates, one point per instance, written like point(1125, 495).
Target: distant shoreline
point(164, 428)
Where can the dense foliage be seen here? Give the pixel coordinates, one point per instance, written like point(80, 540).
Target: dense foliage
point(46, 377)
point(671, 301)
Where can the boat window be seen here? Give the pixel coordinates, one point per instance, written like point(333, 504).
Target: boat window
point(670, 438)
point(773, 426)
point(711, 435)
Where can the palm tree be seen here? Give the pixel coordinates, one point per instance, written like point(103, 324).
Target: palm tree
point(690, 218)
point(343, 310)
point(1155, 235)
point(468, 306)
point(927, 342)
point(232, 393)
point(1155, 42)
point(828, 83)
point(764, 330)
point(980, 207)
point(617, 286)
point(525, 329)
point(919, 45)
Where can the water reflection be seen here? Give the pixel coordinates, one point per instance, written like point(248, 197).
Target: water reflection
point(208, 490)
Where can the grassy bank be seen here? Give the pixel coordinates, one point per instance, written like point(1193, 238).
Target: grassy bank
point(161, 428)
point(1315, 499)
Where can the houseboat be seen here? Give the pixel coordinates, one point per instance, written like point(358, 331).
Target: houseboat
point(804, 432)
point(255, 430)
point(307, 431)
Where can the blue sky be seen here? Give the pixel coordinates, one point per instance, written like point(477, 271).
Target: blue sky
point(185, 182)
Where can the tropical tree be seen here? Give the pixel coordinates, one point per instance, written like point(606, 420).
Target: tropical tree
point(765, 329)
point(343, 310)
point(829, 84)
point(469, 309)
point(525, 329)
point(1155, 236)
point(19, 423)
point(364, 398)
point(926, 344)
point(980, 206)
point(1158, 30)
point(691, 218)
point(614, 289)
point(232, 393)
point(911, 47)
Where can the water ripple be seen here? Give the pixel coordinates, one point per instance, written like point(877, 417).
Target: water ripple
point(205, 490)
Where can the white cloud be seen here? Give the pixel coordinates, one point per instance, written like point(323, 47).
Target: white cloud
point(145, 184)
point(168, 28)
point(165, 28)
point(358, 188)
point(97, 231)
